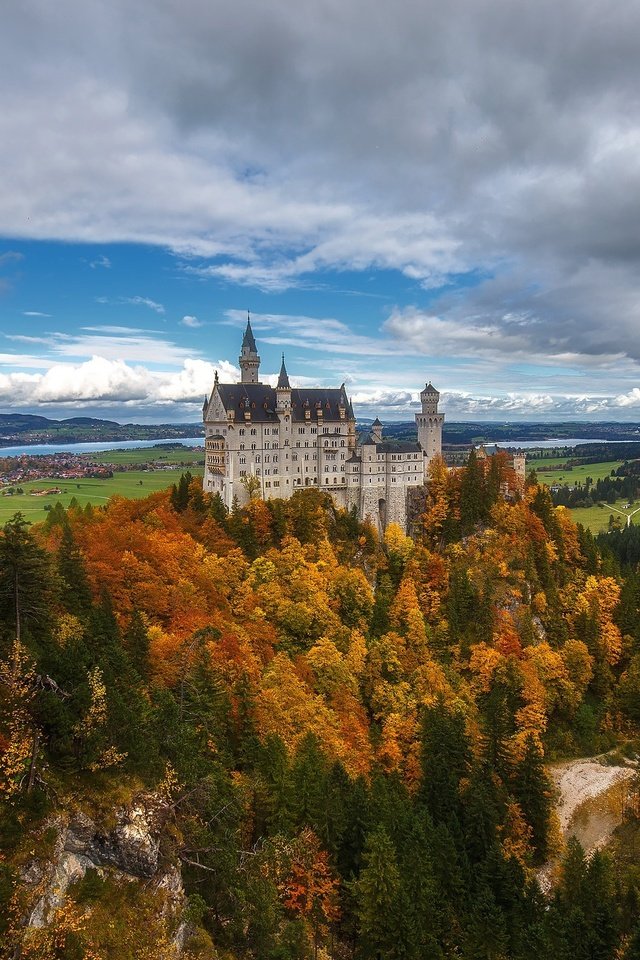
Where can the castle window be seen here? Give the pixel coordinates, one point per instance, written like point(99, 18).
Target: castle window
point(253, 446)
point(243, 459)
point(266, 431)
point(266, 459)
point(242, 446)
point(342, 443)
point(243, 473)
point(314, 429)
point(241, 432)
point(325, 429)
point(266, 445)
point(275, 459)
point(253, 431)
point(258, 458)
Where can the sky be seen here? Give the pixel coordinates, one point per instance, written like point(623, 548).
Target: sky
point(398, 193)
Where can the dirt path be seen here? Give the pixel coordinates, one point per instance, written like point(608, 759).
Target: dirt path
point(590, 802)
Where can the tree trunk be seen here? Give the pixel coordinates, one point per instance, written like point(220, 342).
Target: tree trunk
point(34, 760)
point(16, 590)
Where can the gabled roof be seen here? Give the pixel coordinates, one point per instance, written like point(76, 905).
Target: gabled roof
point(260, 399)
point(327, 399)
point(398, 446)
point(430, 388)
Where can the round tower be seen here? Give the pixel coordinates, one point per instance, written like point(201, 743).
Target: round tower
point(429, 423)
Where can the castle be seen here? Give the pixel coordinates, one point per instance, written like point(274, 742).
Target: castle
point(278, 440)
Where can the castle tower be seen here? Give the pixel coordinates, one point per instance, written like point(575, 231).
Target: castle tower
point(249, 360)
point(429, 423)
point(376, 430)
point(283, 390)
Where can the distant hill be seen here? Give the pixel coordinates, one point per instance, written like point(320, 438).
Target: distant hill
point(465, 433)
point(31, 428)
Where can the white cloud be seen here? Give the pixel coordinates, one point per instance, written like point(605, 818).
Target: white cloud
point(101, 261)
point(109, 342)
point(144, 302)
point(34, 313)
point(265, 146)
point(322, 334)
point(188, 321)
point(10, 256)
point(109, 380)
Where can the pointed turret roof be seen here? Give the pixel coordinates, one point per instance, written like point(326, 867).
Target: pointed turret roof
point(376, 423)
point(248, 341)
point(430, 388)
point(283, 379)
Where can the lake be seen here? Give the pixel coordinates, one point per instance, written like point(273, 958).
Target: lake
point(46, 449)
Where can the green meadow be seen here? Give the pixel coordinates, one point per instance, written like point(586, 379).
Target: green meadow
point(177, 455)
point(596, 519)
point(133, 483)
point(578, 474)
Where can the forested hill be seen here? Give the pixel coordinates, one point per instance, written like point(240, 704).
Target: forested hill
point(270, 735)
point(30, 428)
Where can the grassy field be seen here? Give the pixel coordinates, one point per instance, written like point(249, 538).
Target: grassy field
point(177, 455)
point(594, 470)
point(596, 518)
point(133, 483)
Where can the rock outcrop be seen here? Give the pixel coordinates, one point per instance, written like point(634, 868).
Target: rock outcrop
point(129, 851)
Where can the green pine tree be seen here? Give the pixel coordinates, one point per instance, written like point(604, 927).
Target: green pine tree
point(377, 893)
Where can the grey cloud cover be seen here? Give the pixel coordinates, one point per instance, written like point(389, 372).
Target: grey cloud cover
point(284, 139)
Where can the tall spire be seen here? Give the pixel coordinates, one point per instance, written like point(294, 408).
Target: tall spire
point(248, 341)
point(283, 379)
point(249, 360)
